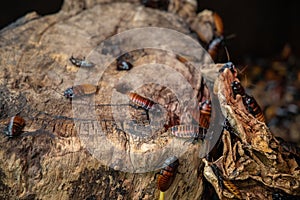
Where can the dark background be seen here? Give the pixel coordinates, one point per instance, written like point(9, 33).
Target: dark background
point(13, 9)
point(261, 27)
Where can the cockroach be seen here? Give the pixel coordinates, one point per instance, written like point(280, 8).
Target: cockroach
point(167, 173)
point(205, 113)
point(15, 126)
point(219, 27)
point(81, 62)
point(80, 90)
point(237, 88)
point(187, 131)
point(123, 62)
point(214, 47)
point(249, 101)
point(253, 108)
point(226, 183)
point(141, 101)
point(231, 67)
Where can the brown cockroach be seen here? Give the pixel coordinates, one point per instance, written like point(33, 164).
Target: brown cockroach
point(253, 108)
point(188, 131)
point(167, 173)
point(78, 62)
point(214, 47)
point(205, 113)
point(237, 88)
point(15, 126)
point(80, 91)
point(249, 101)
point(141, 101)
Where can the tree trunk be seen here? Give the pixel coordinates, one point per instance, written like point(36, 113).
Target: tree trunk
point(53, 159)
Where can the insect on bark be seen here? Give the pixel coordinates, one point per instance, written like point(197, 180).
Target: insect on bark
point(237, 88)
point(80, 91)
point(167, 173)
point(253, 107)
point(141, 101)
point(214, 47)
point(205, 114)
point(15, 126)
point(249, 101)
point(78, 62)
point(187, 131)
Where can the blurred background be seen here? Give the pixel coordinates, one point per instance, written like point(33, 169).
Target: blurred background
point(262, 28)
point(266, 49)
point(14, 9)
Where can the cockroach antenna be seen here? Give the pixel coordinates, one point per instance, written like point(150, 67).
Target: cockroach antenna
point(227, 53)
point(225, 47)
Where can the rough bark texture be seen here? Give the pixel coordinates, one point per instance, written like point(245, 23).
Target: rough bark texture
point(257, 164)
point(56, 156)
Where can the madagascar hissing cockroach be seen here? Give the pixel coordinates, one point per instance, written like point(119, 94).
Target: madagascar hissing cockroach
point(205, 114)
point(78, 62)
point(253, 108)
point(167, 173)
point(223, 183)
point(188, 131)
point(249, 101)
point(15, 126)
point(141, 101)
point(237, 88)
point(214, 47)
point(80, 91)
